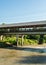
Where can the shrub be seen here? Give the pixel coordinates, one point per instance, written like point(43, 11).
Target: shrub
point(26, 41)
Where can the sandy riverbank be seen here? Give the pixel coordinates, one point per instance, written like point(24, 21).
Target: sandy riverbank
point(25, 55)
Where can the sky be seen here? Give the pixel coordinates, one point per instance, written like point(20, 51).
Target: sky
point(18, 11)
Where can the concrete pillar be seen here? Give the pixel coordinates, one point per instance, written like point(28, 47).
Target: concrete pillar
point(1, 37)
point(16, 40)
point(41, 39)
point(22, 40)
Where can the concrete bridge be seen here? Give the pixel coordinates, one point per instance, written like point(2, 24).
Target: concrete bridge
point(38, 27)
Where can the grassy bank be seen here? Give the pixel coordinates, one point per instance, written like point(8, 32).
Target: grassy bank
point(12, 41)
point(26, 41)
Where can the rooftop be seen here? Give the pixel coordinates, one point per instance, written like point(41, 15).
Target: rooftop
point(24, 24)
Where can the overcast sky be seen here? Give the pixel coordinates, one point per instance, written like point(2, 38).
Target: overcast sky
point(15, 11)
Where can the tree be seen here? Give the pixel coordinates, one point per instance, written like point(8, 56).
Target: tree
point(3, 23)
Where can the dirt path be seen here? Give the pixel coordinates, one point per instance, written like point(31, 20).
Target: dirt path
point(23, 56)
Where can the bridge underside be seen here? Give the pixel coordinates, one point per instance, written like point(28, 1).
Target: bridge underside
point(23, 33)
point(31, 30)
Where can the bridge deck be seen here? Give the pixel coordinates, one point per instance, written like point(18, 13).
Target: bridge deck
point(24, 28)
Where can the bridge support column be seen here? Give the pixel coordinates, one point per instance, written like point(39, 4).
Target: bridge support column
point(22, 40)
point(16, 40)
point(41, 39)
point(1, 37)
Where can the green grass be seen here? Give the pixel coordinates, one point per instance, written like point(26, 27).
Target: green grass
point(30, 42)
point(12, 40)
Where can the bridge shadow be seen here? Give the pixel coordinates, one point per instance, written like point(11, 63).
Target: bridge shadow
point(41, 59)
point(10, 46)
